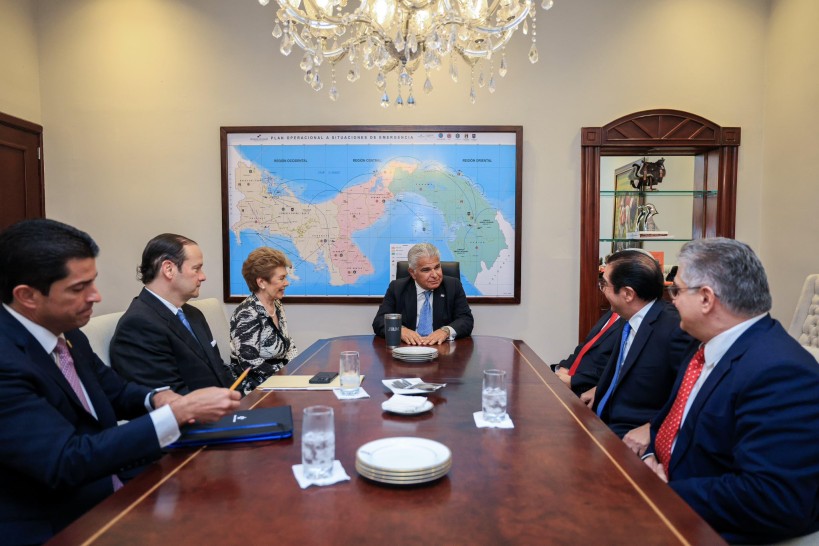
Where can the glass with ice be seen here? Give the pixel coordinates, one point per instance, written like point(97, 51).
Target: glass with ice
point(494, 395)
point(318, 442)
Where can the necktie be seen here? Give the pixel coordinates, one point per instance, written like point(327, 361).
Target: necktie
point(587, 346)
point(70, 372)
point(620, 358)
point(68, 369)
point(671, 425)
point(184, 319)
point(425, 320)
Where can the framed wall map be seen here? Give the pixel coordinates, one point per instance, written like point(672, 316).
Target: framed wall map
point(346, 203)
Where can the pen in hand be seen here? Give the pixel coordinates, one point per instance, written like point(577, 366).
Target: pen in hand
point(240, 379)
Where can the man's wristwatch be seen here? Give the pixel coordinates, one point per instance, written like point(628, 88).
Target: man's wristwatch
point(153, 393)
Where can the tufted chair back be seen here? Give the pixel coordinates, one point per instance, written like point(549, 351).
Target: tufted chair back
point(805, 323)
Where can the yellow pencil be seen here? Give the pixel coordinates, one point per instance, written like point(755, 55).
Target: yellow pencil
point(240, 379)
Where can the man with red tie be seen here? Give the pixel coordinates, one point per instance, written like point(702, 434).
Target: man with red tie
point(581, 370)
point(739, 438)
point(61, 450)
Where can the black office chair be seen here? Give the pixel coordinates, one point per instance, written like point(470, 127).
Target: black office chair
point(450, 269)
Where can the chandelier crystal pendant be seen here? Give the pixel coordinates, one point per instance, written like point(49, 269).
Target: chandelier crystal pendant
point(404, 38)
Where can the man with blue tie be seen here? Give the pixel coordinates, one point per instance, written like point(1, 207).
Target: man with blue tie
point(61, 450)
point(738, 439)
point(640, 373)
point(161, 340)
point(433, 306)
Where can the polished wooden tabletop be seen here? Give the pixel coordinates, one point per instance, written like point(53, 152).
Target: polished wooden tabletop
point(559, 477)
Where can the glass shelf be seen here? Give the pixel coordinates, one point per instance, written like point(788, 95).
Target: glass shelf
point(659, 193)
point(649, 240)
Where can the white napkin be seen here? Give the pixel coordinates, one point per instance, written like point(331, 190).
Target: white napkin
point(413, 380)
point(480, 422)
point(360, 394)
point(338, 475)
point(401, 403)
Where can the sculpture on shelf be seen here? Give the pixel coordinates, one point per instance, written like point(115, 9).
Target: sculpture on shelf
point(647, 174)
point(645, 217)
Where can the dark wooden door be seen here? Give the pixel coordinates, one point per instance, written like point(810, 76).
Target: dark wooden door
point(21, 170)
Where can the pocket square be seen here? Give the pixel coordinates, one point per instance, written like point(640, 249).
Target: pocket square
point(213, 343)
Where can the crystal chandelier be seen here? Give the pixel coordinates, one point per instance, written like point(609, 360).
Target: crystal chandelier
point(402, 36)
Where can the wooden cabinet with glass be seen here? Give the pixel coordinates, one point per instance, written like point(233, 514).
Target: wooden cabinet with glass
point(697, 197)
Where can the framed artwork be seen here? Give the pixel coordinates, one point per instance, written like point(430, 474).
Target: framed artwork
point(626, 201)
point(345, 204)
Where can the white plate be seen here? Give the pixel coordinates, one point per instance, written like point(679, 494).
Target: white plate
point(414, 358)
point(403, 454)
point(402, 479)
point(415, 351)
point(426, 406)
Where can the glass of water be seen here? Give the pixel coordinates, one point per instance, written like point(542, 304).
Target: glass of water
point(494, 395)
point(349, 371)
point(318, 442)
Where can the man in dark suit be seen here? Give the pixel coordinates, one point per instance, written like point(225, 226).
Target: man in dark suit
point(161, 340)
point(433, 307)
point(739, 437)
point(61, 451)
point(582, 369)
point(640, 373)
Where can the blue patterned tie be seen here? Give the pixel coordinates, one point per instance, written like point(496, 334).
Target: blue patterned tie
point(184, 319)
point(425, 321)
point(620, 359)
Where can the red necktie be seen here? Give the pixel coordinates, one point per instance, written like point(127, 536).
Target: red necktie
point(587, 346)
point(70, 372)
point(671, 425)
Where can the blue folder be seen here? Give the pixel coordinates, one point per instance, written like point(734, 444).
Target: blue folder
point(243, 426)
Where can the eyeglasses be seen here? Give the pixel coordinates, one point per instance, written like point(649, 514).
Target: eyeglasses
point(602, 283)
point(675, 290)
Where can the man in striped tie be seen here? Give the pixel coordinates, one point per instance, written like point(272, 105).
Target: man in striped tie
point(738, 439)
point(61, 449)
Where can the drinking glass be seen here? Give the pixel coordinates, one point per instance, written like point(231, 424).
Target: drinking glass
point(392, 330)
point(318, 442)
point(494, 396)
point(349, 372)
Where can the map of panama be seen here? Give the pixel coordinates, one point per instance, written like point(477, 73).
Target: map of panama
point(344, 213)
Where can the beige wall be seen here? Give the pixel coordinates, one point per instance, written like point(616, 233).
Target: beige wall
point(19, 64)
point(134, 92)
point(790, 197)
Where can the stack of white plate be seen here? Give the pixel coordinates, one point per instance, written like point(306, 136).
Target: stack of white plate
point(415, 354)
point(403, 460)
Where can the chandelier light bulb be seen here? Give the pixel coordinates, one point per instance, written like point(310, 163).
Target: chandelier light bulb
point(396, 37)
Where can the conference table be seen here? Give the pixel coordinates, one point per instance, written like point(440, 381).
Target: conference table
point(558, 477)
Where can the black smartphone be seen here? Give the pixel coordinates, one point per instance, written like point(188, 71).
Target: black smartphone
point(322, 378)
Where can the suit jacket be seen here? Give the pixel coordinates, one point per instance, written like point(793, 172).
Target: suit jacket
point(152, 347)
point(56, 459)
point(747, 455)
point(648, 372)
point(449, 307)
point(590, 369)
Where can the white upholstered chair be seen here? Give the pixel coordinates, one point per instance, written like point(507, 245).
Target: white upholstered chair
point(805, 324)
point(100, 330)
point(214, 313)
